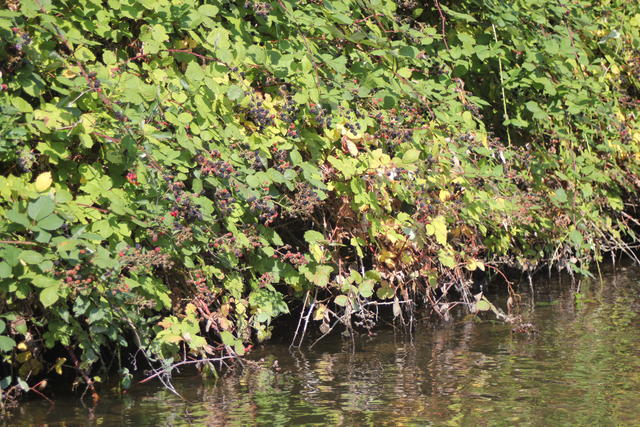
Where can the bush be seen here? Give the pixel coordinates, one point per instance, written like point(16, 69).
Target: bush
point(175, 174)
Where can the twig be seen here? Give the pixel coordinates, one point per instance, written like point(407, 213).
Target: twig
point(295, 335)
point(17, 242)
point(185, 362)
point(39, 393)
point(504, 98)
point(90, 384)
point(443, 21)
point(325, 334)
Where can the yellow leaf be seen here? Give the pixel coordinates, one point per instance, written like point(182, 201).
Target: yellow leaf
point(444, 195)
point(58, 365)
point(173, 339)
point(332, 134)
point(43, 182)
point(474, 264)
point(69, 73)
point(353, 150)
point(483, 305)
point(24, 356)
point(319, 313)
point(190, 309)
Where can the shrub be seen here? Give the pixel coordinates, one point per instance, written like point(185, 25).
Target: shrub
point(176, 173)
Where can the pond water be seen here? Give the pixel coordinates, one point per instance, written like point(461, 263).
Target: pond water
point(582, 367)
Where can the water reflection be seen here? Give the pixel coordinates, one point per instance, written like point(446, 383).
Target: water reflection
point(582, 368)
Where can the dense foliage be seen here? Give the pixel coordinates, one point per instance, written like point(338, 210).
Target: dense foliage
point(176, 173)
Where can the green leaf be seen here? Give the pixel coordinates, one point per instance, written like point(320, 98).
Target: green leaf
point(6, 343)
point(3, 326)
point(342, 300)
point(31, 257)
point(312, 236)
point(208, 10)
point(48, 296)
point(320, 275)
point(42, 281)
point(560, 196)
point(194, 72)
point(386, 291)
point(228, 338)
point(446, 259)
point(23, 384)
point(411, 156)
point(14, 215)
point(235, 92)
point(576, 237)
point(22, 105)
point(483, 305)
point(366, 288)
point(51, 222)
point(5, 382)
point(40, 208)
point(296, 158)
point(5, 271)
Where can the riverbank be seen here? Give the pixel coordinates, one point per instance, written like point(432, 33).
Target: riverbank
point(577, 369)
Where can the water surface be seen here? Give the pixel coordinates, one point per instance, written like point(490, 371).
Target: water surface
point(582, 367)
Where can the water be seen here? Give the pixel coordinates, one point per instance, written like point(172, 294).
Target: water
point(581, 368)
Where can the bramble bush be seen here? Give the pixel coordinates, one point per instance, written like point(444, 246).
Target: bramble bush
point(178, 173)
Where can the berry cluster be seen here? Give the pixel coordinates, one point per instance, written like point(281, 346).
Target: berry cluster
point(259, 115)
point(320, 116)
point(225, 239)
point(353, 128)
point(394, 130)
point(392, 174)
point(426, 206)
point(290, 110)
point(75, 278)
point(260, 8)
point(132, 178)
point(265, 279)
point(280, 162)
point(625, 135)
point(138, 258)
point(267, 211)
point(294, 258)
point(303, 202)
point(24, 39)
point(406, 6)
point(254, 160)
point(202, 289)
point(94, 83)
point(365, 319)
point(26, 159)
point(224, 200)
point(183, 206)
point(213, 165)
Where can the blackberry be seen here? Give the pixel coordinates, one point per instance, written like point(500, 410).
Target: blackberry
point(259, 116)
